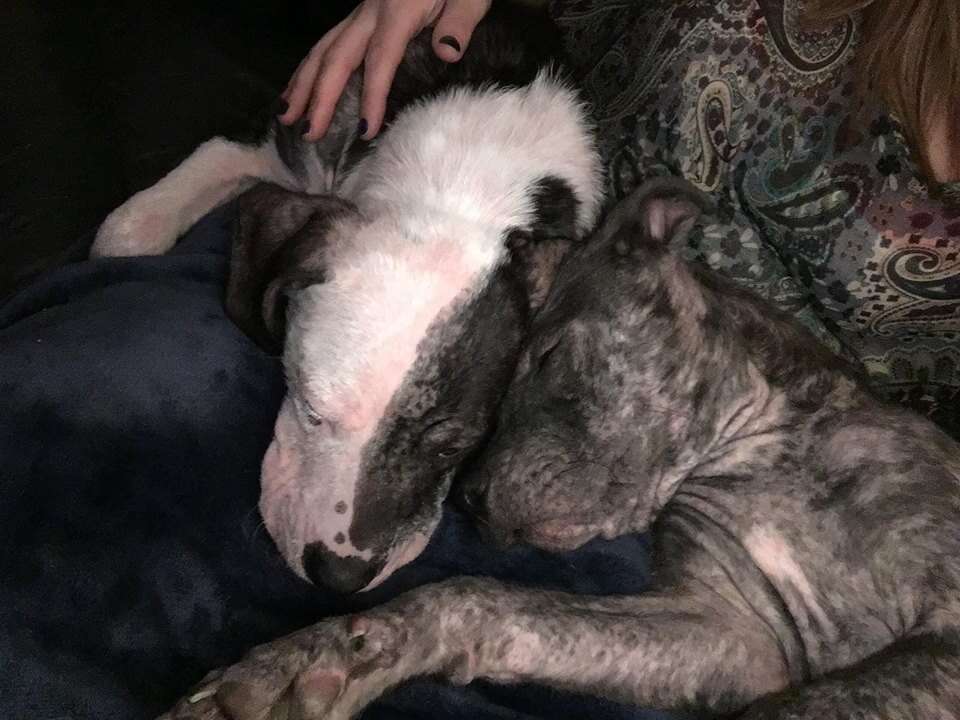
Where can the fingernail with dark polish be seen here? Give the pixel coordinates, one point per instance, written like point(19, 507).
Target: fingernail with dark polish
point(362, 126)
point(451, 41)
point(283, 105)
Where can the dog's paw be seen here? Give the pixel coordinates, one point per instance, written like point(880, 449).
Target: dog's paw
point(138, 227)
point(330, 671)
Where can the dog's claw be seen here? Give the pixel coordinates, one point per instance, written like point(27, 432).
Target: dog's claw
point(207, 692)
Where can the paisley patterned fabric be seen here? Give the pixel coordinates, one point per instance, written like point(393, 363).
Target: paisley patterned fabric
point(823, 212)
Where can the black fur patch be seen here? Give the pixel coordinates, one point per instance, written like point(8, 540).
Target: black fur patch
point(556, 208)
point(459, 383)
point(279, 238)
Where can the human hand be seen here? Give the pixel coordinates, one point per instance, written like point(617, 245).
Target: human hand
point(375, 34)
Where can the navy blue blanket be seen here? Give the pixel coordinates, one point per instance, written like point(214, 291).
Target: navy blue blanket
point(133, 416)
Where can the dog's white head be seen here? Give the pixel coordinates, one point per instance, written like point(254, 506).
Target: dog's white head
point(406, 314)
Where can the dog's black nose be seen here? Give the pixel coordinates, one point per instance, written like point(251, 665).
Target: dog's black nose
point(340, 574)
point(471, 496)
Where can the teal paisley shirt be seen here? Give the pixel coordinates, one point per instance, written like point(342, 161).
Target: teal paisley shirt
point(821, 210)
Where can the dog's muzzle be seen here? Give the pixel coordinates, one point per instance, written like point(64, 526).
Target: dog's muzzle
point(343, 575)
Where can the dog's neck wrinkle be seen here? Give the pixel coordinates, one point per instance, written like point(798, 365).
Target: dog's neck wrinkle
point(767, 378)
point(743, 404)
point(787, 355)
point(741, 411)
point(744, 414)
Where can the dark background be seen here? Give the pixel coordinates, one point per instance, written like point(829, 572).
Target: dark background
point(101, 99)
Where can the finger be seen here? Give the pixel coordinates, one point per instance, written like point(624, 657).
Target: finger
point(285, 95)
point(342, 58)
point(387, 46)
point(297, 88)
point(297, 92)
point(300, 66)
point(455, 27)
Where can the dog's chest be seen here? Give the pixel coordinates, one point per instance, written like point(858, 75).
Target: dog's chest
point(812, 580)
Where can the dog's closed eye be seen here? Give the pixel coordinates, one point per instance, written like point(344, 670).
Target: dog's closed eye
point(543, 361)
point(445, 439)
point(313, 417)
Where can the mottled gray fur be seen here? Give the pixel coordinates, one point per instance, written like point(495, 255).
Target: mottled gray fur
point(808, 533)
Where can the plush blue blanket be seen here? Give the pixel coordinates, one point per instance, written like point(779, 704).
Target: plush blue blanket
point(133, 416)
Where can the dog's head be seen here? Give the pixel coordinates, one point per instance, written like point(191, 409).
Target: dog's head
point(397, 352)
point(600, 389)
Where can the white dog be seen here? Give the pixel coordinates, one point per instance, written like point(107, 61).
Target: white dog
point(411, 264)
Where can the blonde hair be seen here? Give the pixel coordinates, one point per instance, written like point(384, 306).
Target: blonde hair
point(909, 60)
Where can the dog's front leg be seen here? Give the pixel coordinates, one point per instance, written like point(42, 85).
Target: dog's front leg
point(669, 650)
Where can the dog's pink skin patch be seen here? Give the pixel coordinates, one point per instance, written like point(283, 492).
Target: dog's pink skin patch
point(319, 689)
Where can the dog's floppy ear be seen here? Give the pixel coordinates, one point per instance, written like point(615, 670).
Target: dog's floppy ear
point(654, 214)
point(279, 245)
point(535, 261)
point(537, 250)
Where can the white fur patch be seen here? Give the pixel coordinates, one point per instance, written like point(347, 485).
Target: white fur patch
point(474, 153)
point(774, 556)
point(150, 222)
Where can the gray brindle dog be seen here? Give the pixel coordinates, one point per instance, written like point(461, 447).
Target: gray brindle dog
point(808, 532)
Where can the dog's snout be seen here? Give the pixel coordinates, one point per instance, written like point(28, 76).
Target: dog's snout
point(340, 574)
